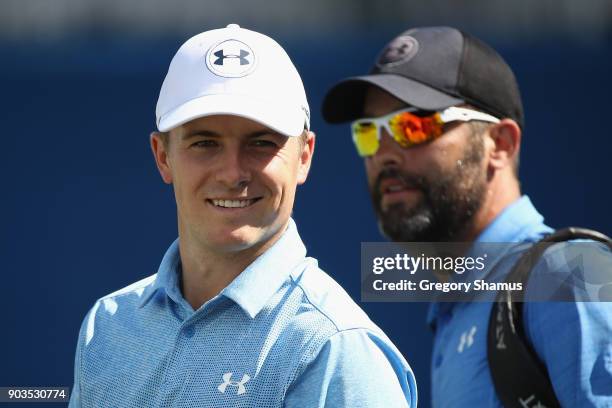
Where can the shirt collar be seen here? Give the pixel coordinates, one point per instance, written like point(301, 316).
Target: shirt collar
point(252, 289)
point(518, 222)
point(167, 277)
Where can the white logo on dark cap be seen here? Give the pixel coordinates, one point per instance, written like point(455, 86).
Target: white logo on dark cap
point(398, 51)
point(230, 58)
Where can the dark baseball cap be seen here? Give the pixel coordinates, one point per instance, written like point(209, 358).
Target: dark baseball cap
point(433, 68)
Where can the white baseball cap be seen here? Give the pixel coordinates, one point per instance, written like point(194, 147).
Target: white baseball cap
point(233, 71)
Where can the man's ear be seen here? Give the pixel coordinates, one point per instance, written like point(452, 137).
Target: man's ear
point(506, 137)
point(160, 153)
point(306, 157)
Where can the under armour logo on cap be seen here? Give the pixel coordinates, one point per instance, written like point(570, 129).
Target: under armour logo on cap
point(398, 51)
point(221, 57)
point(230, 58)
point(227, 380)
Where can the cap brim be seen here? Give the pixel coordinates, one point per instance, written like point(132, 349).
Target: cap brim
point(345, 100)
point(287, 120)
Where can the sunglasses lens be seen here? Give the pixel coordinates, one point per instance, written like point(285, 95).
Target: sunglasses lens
point(365, 136)
point(409, 129)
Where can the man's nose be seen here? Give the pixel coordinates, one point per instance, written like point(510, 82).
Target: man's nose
point(389, 152)
point(232, 172)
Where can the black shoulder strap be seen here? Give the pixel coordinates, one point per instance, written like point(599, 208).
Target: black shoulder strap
point(520, 378)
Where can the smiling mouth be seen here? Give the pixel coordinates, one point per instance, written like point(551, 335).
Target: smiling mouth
point(223, 203)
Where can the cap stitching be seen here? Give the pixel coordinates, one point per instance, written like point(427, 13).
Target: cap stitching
point(461, 62)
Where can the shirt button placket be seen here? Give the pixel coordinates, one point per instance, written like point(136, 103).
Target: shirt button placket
point(188, 331)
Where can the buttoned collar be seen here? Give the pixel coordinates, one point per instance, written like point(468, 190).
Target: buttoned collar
point(167, 277)
point(518, 222)
point(253, 288)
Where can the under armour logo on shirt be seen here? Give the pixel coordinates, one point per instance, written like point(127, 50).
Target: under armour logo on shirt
point(527, 403)
point(227, 380)
point(467, 339)
point(221, 57)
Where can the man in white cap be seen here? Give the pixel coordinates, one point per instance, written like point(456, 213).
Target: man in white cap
point(236, 315)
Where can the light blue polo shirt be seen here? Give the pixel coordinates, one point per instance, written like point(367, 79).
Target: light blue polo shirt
point(282, 334)
point(571, 339)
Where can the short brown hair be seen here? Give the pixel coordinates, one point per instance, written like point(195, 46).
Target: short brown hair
point(165, 138)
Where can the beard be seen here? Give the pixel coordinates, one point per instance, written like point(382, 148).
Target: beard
point(447, 206)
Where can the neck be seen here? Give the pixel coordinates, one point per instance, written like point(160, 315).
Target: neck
point(499, 195)
point(207, 271)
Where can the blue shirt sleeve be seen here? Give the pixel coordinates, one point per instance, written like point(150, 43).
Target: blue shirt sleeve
point(574, 339)
point(353, 370)
point(75, 395)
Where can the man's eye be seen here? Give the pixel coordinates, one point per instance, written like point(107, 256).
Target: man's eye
point(263, 143)
point(205, 143)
